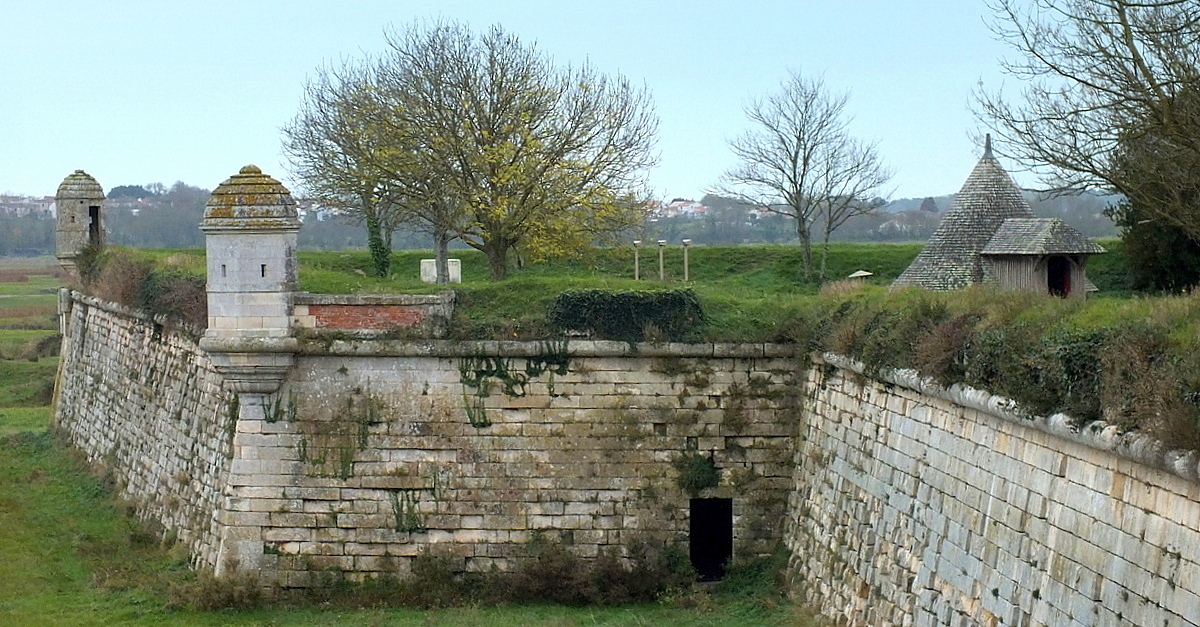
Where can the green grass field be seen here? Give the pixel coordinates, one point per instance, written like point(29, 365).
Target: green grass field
point(72, 555)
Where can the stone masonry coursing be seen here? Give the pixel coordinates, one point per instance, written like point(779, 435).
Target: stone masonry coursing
point(904, 503)
point(917, 505)
point(144, 404)
point(373, 452)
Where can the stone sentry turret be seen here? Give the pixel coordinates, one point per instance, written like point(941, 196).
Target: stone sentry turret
point(79, 204)
point(250, 226)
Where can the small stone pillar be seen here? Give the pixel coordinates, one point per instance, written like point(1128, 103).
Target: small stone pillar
point(79, 205)
point(250, 226)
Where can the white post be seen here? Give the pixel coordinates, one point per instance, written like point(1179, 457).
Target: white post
point(661, 275)
point(637, 270)
point(686, 243)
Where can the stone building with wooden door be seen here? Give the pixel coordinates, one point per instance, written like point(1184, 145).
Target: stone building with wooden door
point(990, 235)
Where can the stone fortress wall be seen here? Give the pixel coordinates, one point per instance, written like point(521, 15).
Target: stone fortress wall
point(373, 451)
point(310, 439)
point(920, 505)
point(147, 408)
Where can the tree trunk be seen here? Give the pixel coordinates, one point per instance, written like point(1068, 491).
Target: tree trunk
point(441, 242)
point(824, 254)
point(381, 251)
point(805, 236)
point(497, 254)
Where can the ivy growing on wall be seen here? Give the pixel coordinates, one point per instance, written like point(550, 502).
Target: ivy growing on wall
point(478, 373)
point(673, 315)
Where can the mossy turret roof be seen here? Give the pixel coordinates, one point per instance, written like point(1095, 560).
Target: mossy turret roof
point(79, 185)
point(250, 200)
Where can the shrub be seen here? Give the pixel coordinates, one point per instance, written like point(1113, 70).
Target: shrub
point(207, 593)
point(177, 294)
point(696, 473)
point(120, 278)
point(941, 350)
point(126, 277)
point(555, 575)
point(629, 316)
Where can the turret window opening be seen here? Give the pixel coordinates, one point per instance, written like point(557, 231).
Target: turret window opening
point(262, 268)
point(223, 274)
point(94, 225)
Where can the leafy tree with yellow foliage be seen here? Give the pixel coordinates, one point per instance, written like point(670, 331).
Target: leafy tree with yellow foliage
point(484, 137)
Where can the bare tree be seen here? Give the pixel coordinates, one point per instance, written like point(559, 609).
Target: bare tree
point(800, 161)
point(1107, 99)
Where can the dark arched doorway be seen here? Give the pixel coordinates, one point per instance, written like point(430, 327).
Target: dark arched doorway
point(711, 537)
point(1058, 276)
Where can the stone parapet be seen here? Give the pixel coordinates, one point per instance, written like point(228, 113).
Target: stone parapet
point(368, 344)
point(143, 402)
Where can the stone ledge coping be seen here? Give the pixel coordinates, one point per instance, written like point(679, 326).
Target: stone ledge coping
point(366, 344)
point(1099, 435)
point(307, 298)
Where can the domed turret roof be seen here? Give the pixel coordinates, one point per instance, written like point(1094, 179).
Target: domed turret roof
point(79, 185)
point(250, 200)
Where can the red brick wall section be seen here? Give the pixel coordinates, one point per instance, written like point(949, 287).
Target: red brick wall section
point(366, 316)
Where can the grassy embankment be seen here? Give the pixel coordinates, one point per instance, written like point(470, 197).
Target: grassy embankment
point(73, 557)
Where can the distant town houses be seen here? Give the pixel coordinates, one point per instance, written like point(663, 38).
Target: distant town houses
point(685, 208)
point(40, 206)
point(309, 209)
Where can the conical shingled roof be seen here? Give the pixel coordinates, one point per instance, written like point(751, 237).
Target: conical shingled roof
point(950, 259)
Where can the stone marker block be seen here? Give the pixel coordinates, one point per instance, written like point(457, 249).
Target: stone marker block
point(429, 270)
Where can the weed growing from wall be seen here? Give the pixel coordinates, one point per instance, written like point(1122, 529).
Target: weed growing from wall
point(406, 512)
point(276, 410)
point(476, 410)
point(479, 372)
point(231, 420)
point(331, 446)
point(697, 472)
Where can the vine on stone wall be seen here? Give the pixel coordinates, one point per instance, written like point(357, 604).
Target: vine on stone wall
point(331, 446)
point(406, 510)
point(479, 372)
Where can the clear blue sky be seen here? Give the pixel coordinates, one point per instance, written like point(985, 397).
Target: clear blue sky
point(137, 91)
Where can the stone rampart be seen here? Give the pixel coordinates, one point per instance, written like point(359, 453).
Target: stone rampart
point(145, 405)
point(902, 503)
point(918, 505)
point(376, 451)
